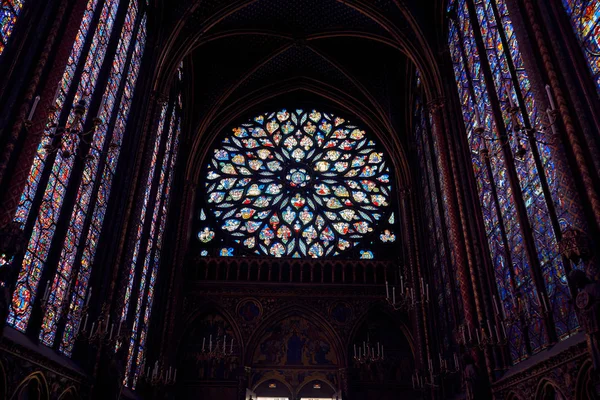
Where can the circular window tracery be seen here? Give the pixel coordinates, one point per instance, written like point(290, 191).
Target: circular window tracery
point(298, 184)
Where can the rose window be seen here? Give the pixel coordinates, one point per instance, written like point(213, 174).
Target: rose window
point(298, 184)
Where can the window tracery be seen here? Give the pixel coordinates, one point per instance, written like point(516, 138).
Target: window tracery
point(298, 184)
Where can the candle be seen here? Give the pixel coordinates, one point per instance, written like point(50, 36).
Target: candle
point(504, 330)
point(382, 352)
point(378, 350)
point(86, 321)
point(87, 302)
point(33, 107)
point(203, 341)
point(224, 340)
point(477, 117)
point(550, 98)
point(102, 105)
point(394, 295)
point(401, 284)
point(354, 350)
point(495, 306)
point(427, 291)
point(107, 322)
point(490, 329)
point(470, 337)
point(497, 332)
point(387, 290)
point(175, 376)
point(422, 287)
point(92, 330)
point(56, 93)
point(210, 343)
point(231, 348)
point(413, 381)
point(112, 327)
point(477, 333)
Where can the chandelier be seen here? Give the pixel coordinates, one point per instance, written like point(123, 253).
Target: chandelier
point(407, 298)
point(367, 353)
point(217, 350)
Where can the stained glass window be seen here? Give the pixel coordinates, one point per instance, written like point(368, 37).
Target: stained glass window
point(146, 255)
point(537, 186)
point(50, 179)
point(9, 13)
point(585, 19)
point(298, 184)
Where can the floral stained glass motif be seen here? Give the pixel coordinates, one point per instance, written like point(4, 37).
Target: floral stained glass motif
point(298, 184)
point(9, 13)
point(585, 19)
point(45, 224)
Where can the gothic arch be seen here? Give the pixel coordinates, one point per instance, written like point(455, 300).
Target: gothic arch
point(392, 317)
point(300, 312)
point(415, 46)
point(69, 394)
point(583, 387)
point(199, 312)
point(34, 384)
point(548, 390)
point(313, 379)
point(273, 376)
point(387, 136)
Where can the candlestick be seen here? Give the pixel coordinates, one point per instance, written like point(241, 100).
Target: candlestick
point(550, 98)
point(56, 93)
point(495, 306)
point(477, 117)
point(33, 107)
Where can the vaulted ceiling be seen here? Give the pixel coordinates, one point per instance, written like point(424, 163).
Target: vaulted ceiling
point(352, 57)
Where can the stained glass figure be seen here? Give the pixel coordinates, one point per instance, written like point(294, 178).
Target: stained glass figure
point(512, 262)
point(153, 216)
point(69, 284)
point(9, 13)
point(298, 183)
point(585, 19)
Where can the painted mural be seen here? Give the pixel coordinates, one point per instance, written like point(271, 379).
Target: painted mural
point(294, 341)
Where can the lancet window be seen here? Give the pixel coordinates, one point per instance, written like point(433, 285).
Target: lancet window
point(9, 14)
point(585, 19)
point(63, 205)
point(518, 183)
point(145, 260)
